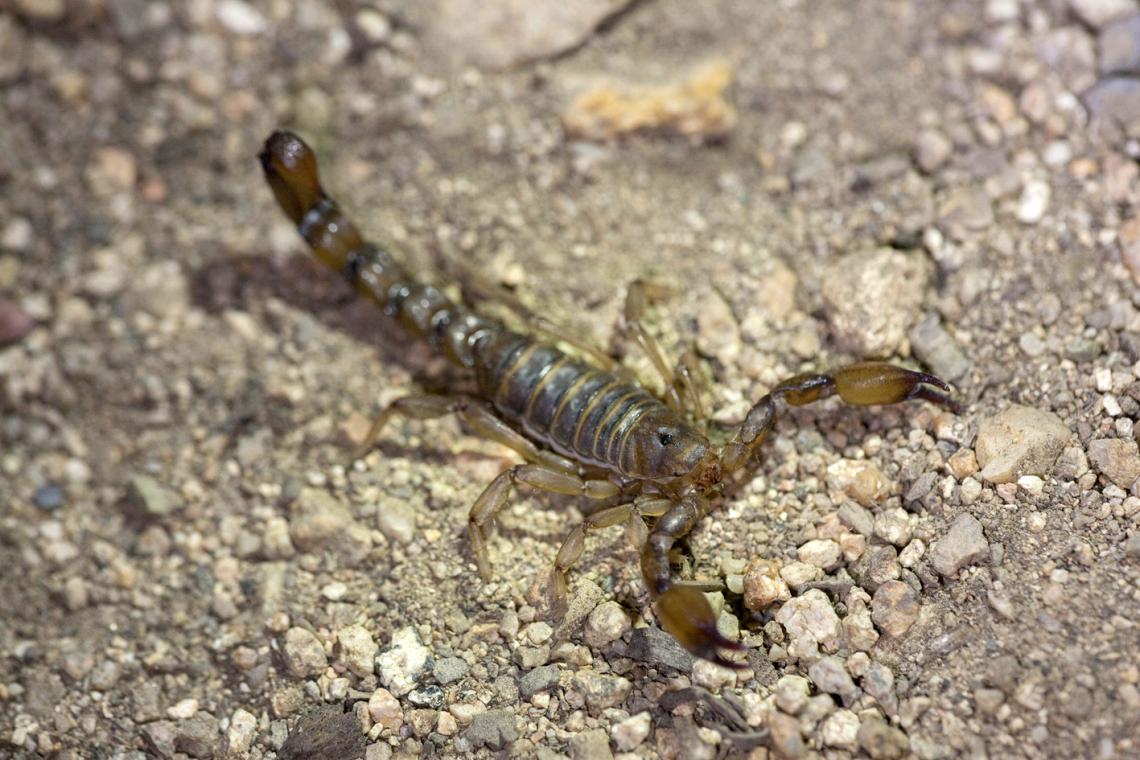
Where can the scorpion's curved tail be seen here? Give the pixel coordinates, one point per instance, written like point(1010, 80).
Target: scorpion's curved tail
point(291, 171)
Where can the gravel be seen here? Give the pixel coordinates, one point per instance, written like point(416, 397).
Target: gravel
point(494, 729)
point(810, 619)
point(400, 665)
point(631, 732)
point(205, 571)
point(589, 745)
point(303, 653)
point(938, 350)
point(608, 622)
point(539, 679)
point(829, 675)
point(1019, 441)
point(1119, 44)
point(964, 544)
point(1098, 13)
point(872, 298)
point(657, 648)
point(1116, 459)
point(895, 608)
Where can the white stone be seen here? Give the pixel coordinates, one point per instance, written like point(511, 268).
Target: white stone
point(1033, 202)
point(239, 736)
point(841, 730)
point(401, 663)
point(240, 17)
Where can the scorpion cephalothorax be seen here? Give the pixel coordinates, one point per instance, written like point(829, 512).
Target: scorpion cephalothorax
point(582, 425)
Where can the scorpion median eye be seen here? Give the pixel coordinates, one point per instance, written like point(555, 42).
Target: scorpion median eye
point(664, 438)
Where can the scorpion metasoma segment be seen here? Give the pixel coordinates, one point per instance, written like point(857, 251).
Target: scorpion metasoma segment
point(583, 426)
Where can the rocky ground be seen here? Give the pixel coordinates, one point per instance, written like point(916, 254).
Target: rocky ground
point(194, 566)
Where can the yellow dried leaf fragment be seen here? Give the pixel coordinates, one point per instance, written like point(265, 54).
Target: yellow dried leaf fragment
point(695, 108)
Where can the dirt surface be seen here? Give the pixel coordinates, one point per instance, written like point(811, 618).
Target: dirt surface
point(193, 565)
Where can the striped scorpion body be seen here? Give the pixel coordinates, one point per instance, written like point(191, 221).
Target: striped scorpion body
point(582, 425)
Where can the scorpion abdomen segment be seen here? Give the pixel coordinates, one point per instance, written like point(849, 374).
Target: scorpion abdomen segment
point(563, 402)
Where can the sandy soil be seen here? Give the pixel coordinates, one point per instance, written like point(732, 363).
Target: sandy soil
point(194, 566)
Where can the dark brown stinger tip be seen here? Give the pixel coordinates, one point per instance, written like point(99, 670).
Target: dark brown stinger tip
point(291, 171)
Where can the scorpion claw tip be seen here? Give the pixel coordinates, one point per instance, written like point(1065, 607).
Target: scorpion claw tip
point(685, 613)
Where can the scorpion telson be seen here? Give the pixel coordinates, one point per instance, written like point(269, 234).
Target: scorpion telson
point(581, 425)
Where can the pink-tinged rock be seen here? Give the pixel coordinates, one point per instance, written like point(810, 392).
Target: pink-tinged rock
point(14, 323)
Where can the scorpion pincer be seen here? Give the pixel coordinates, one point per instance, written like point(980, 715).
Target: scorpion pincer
point(580, 424)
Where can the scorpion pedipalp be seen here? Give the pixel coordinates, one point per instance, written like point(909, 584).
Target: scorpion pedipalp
point(687, 615)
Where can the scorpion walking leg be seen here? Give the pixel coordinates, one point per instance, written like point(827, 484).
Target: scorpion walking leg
point(476, 287)
point(681, 392)
point(683, 610)
point(540, 476)
point(476, 414)
point(632, 513)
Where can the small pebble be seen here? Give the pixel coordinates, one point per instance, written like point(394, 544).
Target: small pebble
point(15, 323)
point(17, 234)
point(658, 648)
point(186, 708)
point(1116, 459)
point(449, 669)
point(895, 608)
point(763, 585)
point(932, 149)
point(1019, 441)
point(539, 679)
point(1083, 350)
point(241, 732)
point(872, 298)
point(821, 552)
point(830, 676)
point(964, 544)
point(879, 682)
point(396, 519)
point(607, 622)
point(148, 498)
point(303, 654)
point(493, 729)
point(811, 614)
point(602, 690)
point(1034, 202)
point(48, 497)
point(893, 526)
point(863, 481)
point(841, 730)
point(427, 696)
point(791, 693)
point(857, 517)
point(786, 738)
point(965, 211)
point(590, 745)
point(1099, 13)
point(384, 709)
point(357, 649)
point(631, 732)
point(240, 17)
point(1120, 46)
point(1031, 344)
point(401, 664)
point(937, 349)
point(197, 735)
point(882, 741)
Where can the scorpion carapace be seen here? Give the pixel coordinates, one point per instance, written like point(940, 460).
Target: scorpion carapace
point(582, 426)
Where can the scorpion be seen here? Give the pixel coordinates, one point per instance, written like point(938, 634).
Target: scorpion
point(582, 425)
